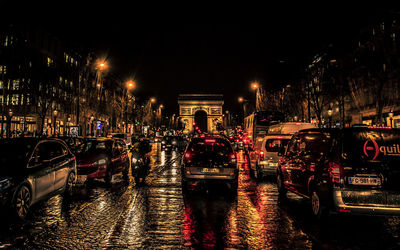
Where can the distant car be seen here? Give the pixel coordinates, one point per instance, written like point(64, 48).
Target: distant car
point(101, 158)
point(72, 142)
point(124, 136)
point(346, 171)
point(208, 159)
point(170, 143)
point(34, 169)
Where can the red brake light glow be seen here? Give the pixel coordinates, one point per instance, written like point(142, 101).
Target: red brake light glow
point(187, 156)
point(335, 172)
point(210, 140)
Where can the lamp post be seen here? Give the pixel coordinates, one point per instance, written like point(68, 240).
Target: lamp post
point(330, 116)
point(243, 102)
point(68, 124)
point(91, 124)
point(255, 86)
point(391, 118)
point(10, 114)
point(130, 84)
point(55, 112)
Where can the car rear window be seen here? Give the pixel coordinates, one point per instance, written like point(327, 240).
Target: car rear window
point(208, 145)
point(273, 145)
point(372, 145)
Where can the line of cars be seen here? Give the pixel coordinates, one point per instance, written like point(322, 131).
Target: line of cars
point(33, 169)
point(341, 171)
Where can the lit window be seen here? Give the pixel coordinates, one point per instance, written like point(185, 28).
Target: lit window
point(1, 84)
point(3, 68)
point(71, 84)
point(1, 99)
point(61, 79)
point(6, 42)
point(30, 64)
point(15, 85)
point(22, 99)
point(14, 100)
point(49, 61)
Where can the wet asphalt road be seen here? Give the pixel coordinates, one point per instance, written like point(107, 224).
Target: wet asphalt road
point(158, 215)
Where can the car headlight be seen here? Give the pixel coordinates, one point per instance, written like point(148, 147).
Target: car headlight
point(5, 183)
point(163, 142)
point(134, 160)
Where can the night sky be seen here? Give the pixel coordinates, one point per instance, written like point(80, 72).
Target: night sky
point(190, 49)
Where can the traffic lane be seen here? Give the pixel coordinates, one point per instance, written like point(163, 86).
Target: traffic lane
point(214, 218)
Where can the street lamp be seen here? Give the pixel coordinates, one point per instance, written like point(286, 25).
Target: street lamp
point(10, 113)
point(153, 100)
point(255, 86)
point(330, 116)
point(68, 124)
point(55, 112)
point(91, 124)
point(391, 118)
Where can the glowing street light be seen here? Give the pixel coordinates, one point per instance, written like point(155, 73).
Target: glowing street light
point(161, 106)
point(130, 84)
point(240, 99)
point(255, 85)
point(153, 100)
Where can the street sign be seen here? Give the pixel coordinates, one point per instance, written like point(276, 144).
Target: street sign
point(98, 125)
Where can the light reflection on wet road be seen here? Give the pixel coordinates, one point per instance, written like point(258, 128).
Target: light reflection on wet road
point(159, 215)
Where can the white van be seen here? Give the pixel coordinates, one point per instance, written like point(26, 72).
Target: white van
point(264, 159)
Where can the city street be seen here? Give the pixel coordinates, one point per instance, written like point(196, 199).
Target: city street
point(158, 215)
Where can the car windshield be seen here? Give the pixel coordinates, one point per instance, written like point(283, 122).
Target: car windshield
point(92, 146)
point(273, 145)
point(373, 145)
point(14, 151)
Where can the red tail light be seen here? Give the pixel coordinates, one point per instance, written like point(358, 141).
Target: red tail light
point(188, 156)
point(210, 140)
point(261, 155)
point(335, 172)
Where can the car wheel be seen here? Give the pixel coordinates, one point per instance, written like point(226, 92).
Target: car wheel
point(137, 180)
point(317, 208)
point(108, 176)
point(234, 186)
point(280, 185)
point(125, 172)
point(258, 172)
point(69, 186)
point(22, 202)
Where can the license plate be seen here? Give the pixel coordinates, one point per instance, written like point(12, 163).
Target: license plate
point(81, 178)
point(372, 181)
point(210, 170)
point(273, 164)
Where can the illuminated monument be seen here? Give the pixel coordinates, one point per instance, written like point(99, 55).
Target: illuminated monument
point(203, 111)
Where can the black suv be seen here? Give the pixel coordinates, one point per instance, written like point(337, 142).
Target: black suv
point(209, 159)
point(351, 170)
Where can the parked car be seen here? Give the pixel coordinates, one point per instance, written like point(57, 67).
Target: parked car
point(72, 142)
point(33, 169)
point(101, 158)
point(124, 136)
point(264, 158)
point(351, 170)
point(209, 159)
